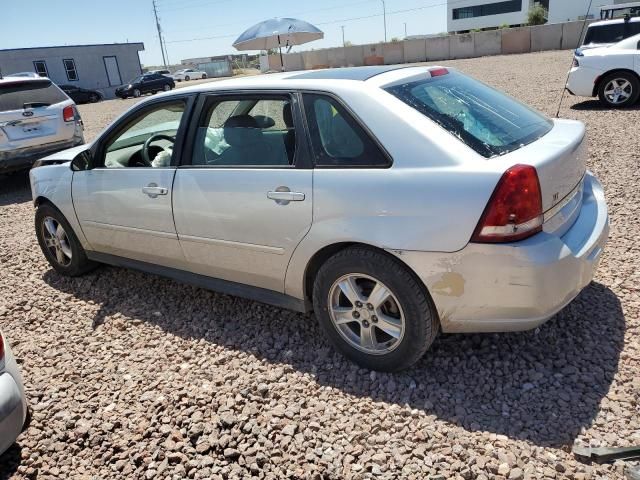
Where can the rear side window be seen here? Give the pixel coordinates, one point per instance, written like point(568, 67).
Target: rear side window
point(36, 93)
point(484, 119)
point(337, 139)
point(611, 33)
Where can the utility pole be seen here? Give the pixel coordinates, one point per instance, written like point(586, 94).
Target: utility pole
point(155, 12)
point(384, 16)
point(405, 29)
point(342, 27)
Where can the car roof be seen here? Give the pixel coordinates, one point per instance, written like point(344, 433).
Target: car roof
point(613, 22)
point(314, 79)
point(10, 79)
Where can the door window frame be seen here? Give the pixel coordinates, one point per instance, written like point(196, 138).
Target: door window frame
point(356, 119)
point(302, 155)
point(98, 148)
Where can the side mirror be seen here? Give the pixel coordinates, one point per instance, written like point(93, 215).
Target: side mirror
point(81, 162)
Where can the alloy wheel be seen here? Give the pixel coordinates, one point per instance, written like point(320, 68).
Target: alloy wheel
point(366, 313)
point(618, 91)
point(57, 241)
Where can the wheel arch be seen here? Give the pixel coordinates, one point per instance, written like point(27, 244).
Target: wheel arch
point(596, 85)
point(321, 256)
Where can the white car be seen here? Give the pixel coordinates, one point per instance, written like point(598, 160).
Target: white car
point(611, 73)
point(13, 403)
point(392, 201)
point(187, 74)
point(36, 119)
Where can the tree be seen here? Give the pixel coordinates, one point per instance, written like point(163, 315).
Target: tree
point(395, 40)
point(537, 15)
point(348, 43)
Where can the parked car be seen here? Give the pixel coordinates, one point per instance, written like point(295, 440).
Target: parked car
point(81, 95)
point(187, 74)
point(147, 83)
point(36, 119)
point(611, 73)
point(394, 202)
point(24, 74)
point(13, 403)
point(608, 32)
point(161, 72)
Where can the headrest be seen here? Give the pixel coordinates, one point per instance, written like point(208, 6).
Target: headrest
point(241, 130)
point(287, 115)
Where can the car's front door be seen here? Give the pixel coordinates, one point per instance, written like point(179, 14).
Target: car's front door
point(244, 202)
point(123, 202)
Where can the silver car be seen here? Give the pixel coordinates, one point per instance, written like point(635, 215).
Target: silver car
point(36, 119)
point(393, 202)
point(13, 405)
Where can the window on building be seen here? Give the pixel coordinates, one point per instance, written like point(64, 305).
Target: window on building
point(40, 66)
point(487, 9)
point(70, 68)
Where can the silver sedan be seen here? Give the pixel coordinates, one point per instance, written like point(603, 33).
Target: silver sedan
point(393, 202)
point(13, 404)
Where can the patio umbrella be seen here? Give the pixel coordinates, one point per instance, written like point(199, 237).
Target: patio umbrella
point(277, 32)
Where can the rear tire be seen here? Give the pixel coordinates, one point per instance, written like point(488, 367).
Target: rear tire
point(619, 90)
point(59, 243)
point(93, 98)
point(204, 75)
point(389, 323)
point(166, 87)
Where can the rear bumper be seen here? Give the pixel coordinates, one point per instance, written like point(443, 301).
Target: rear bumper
point(581, 81)
point(518, 286)
point(23, 158)
point(13, 405)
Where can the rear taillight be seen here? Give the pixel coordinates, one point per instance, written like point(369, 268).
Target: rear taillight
point(68, 114)
point(514, 211)
point(1, 348)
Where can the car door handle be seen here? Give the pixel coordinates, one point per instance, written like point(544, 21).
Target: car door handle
point(154, 190)
point(286, 196)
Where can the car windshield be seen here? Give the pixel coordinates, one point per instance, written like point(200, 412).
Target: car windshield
point(611, 32)
point(18, 95)
point(483, 118)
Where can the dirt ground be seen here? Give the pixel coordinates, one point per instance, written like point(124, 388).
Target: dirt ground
point(134, 376)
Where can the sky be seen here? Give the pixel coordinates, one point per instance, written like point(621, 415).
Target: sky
point(199, 28)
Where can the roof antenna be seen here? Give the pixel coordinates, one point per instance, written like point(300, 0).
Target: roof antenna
point(584, 25)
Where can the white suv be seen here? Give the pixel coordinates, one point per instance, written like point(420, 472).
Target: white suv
point(36, 119)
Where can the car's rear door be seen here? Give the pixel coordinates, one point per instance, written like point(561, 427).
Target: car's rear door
point(124, 204)
point(244, 201)
point(31, 114)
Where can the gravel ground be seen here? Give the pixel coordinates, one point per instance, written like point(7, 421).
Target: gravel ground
point(135, 376)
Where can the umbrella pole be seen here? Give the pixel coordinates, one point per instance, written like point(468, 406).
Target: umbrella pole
point(280, 49)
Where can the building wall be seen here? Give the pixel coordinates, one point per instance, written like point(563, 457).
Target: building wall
point(89, 62)
point(564, 11)
point(487, 21)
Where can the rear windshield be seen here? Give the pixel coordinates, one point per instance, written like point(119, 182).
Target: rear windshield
point(484, 119)
point(35, 93)
point(611, 33)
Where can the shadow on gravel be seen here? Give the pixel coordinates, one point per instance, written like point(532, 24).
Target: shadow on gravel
point(14, 188)
point(10, 461)
point(595, 105)
point(543, 386)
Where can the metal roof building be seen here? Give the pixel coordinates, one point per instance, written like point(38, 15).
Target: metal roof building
point(101, 67)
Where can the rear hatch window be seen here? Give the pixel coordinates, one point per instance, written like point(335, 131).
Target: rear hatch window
point(611, 33)
point(486, 120)
point(29, 94)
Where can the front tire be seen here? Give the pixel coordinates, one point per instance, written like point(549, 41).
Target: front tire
point(619, 90)
point(59, 244)
point(136, 93)
point(374, 310)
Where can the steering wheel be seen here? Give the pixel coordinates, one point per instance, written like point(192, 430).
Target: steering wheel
point(145, 148)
